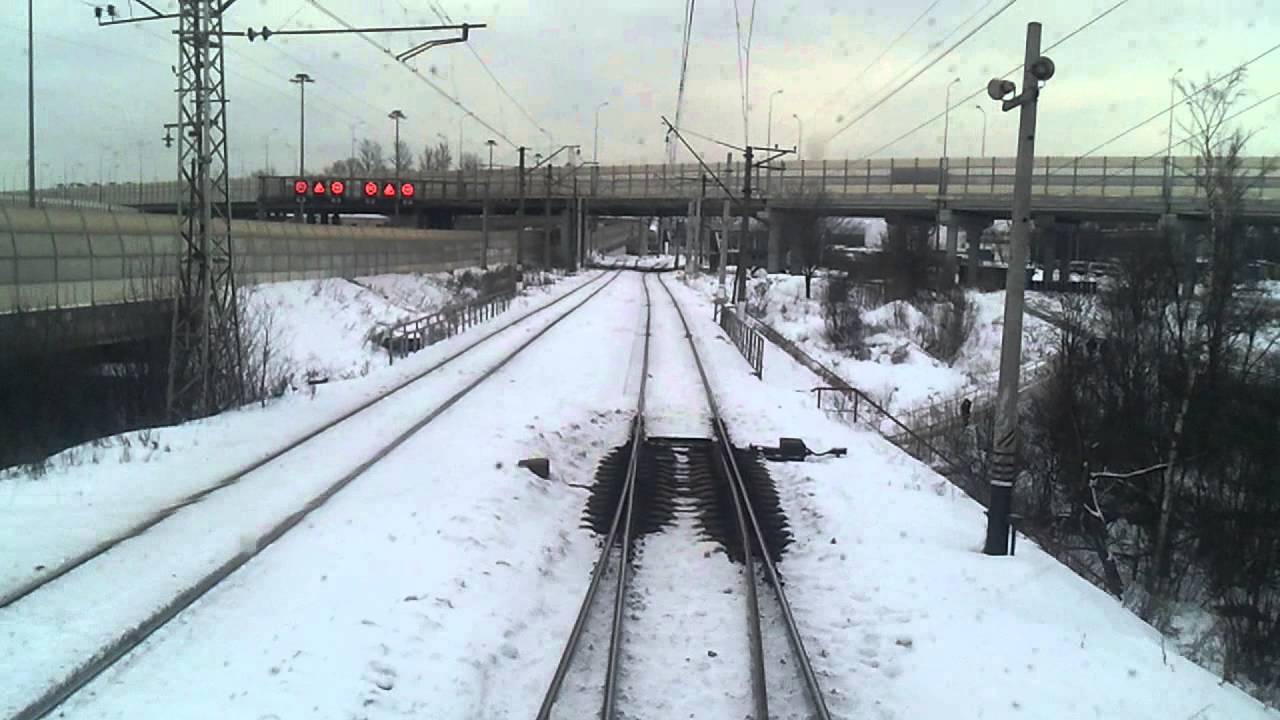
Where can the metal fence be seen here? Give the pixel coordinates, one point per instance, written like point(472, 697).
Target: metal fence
point(413, 335)
point(746, 338)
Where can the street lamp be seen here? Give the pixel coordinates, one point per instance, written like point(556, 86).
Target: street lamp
point(768, 135)
point(984, 129)
point(799, 134)
point(492, 144)
point(396, 116)
point(946, 122)
point(1168, 153)
point(354, 125)
point(302, 79)
point(595, 147)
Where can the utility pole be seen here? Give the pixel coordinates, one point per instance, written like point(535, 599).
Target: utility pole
point(546, 228)
point(31, 105)
point(740, 274)
point(520, 210)
point(1004, 469)
point(205, 358)
point(302, 80)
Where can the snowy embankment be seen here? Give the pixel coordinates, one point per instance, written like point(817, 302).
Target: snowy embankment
point(87, 493)
point(320, 329)
point(443, 583)
point(897, 371)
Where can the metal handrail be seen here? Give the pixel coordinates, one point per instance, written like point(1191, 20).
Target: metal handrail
point(416, 333)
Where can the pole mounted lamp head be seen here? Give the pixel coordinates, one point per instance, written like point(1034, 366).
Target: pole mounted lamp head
point(1042, 68)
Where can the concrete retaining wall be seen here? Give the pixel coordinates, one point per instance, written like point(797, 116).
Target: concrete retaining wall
point(53, 259)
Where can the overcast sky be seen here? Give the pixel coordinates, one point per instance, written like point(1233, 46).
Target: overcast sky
point(105, 93)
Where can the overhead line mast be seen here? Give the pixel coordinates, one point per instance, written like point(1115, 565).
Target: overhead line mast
point(205, 353)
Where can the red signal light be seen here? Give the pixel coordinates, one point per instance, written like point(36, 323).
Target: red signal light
point(299, 187)
point(371, 189)
point(389, 190)
point(406, 190)
point(337, 187)
point(318, 188)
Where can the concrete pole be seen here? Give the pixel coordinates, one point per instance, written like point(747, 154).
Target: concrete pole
point(484, 229)
point(1004, 468)
point(546, 230)
point(520, 179)
point(724, 246)
point(690, 237)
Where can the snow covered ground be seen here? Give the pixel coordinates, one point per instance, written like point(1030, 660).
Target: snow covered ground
point(898, 372)
point(443, 582)
point(321, 328)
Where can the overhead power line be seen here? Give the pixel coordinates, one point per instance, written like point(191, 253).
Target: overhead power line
point(924, 69)
point(684, 70)
point(416, 73)
point(834, 96)
point(1160, 153)
point(439, 9)
point(1186, 98)
point(925, 55)
point(983, 89)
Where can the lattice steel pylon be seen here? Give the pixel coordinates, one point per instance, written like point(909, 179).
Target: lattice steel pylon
point(205, 357)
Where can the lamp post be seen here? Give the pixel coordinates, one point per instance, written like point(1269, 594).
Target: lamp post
point(946, 122)
point(302, 79)
point(1168, 153)
point(31, 106)
point(396, 116)
point(595, 146)
point(354, 125)
point(768, 133)
point(492, 144)
point(799, 134)
point(984, 130)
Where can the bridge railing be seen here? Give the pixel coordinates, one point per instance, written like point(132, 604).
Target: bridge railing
point(1088, 177)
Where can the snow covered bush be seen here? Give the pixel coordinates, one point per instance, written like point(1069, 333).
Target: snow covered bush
point(843, 317)
point(949, 324)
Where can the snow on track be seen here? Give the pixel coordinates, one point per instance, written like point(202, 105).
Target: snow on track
point(94, 493)
point(434, 585)
point(687, 611)
point(91, 606)
point(905, 618)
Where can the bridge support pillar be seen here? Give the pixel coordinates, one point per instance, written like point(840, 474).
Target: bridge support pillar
point(779, 242)
point(949, 269)
point(973, 227)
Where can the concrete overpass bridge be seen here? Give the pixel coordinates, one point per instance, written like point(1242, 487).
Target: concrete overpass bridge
point(1068, 188)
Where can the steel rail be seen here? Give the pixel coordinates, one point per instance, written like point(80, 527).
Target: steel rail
point(597, 574)
point(722, 432)
point(69, 565)
point(81, 676)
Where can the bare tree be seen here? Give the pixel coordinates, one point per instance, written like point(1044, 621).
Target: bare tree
point(402, 158)
point(370, 157)
point(435, 158)
point(469, 161)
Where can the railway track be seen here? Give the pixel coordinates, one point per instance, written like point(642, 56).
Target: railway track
point(752, 544)
point(47, 587)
